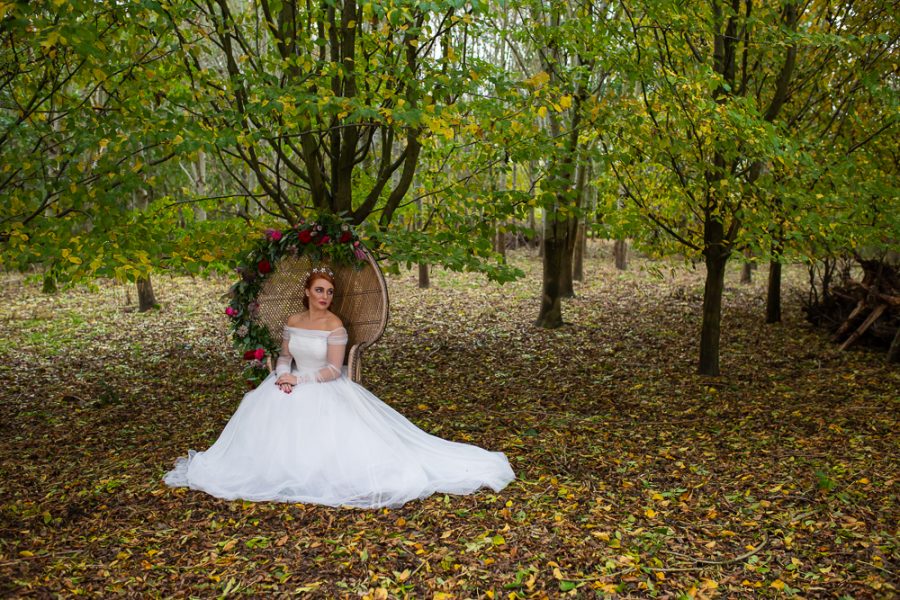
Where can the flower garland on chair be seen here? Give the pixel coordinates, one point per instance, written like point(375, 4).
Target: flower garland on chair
point(327, 238)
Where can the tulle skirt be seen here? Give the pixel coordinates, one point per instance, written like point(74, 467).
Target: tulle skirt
point(333, 443)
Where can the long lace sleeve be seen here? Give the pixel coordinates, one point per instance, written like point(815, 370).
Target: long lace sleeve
point(283, 365)
point(337, 345)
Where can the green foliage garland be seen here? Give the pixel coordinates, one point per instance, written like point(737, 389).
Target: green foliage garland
point(326, 238)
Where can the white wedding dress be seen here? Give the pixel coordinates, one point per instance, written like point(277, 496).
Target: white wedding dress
point(330, 441)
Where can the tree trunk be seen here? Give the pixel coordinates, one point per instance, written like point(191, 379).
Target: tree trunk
point(146, 298)
point(49, 286)
point(532, 225)
point(566, 282)
point(716, 260)
point(747, 268)
point(773, 295)
point(554, 248)
point(620, 253)
point(500, 241)
point(543, 238)
point(424, 279)
point(893, 355)
point(578, 259)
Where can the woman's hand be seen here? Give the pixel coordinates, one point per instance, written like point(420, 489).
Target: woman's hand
point(286, 382)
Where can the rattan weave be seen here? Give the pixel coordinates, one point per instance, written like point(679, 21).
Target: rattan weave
point(360, 300)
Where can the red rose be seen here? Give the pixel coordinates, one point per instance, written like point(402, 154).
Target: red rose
point(249, 354)
point(304, 236)
point(322, 240)
point(264, 266)
point(346, 237)
point(259, 354)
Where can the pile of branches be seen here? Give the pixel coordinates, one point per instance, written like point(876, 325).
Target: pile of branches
point(863, 312)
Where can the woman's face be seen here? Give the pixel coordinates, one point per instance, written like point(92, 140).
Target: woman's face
point(320, 293)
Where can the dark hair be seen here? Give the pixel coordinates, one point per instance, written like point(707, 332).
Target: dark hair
point(309, 281)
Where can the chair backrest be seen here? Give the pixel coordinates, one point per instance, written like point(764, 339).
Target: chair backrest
point(360, 298)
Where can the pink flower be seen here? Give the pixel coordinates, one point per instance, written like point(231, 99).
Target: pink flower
point(259, 354)
point(231, 312)
point(356, 244)
point(273, 234)
point(322, 240)
point(250, 355)
point(360, 255)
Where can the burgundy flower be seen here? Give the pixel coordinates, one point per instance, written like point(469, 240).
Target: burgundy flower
point(259, 354)
point(322, 240)
point(264, 266)
point(304, 236)
point(346, 236)
point(250, 355)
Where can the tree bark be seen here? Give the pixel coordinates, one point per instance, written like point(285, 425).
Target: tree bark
point(747, 268)
point(146, 297)
point(424, 279)
point(716, 260)
point(554, 248)
point(578, 259)
point(566, 281)
point(773, 294)
point(620, 253)
point(500, 241)
point(49, 286)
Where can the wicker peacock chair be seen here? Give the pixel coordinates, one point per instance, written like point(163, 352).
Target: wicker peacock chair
point(360, 300)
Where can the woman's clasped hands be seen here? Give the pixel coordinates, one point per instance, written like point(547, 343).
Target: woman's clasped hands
point(286, 382)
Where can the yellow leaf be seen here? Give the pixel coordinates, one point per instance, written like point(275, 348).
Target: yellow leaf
point(565, 102)
point(26, 553)
point(229, 545)
point(538, 79)
point(207, 257)
point(99, 75)
point(51, 40)
point(777, 584)
point(400, 522)
point(178, 139)
point(650, 513)
point(542, 112)
point(75, 259)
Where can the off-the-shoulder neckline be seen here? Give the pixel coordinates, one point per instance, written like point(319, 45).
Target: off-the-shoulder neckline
point(319, 330)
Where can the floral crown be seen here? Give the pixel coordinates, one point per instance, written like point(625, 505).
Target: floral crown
point(317, 271)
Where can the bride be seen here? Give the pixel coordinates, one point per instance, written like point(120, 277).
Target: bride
point(309, 434)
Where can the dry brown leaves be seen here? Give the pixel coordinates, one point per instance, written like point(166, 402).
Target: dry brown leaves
point(635, 476)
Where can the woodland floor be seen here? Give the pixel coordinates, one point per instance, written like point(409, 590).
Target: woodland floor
point(635, 477)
